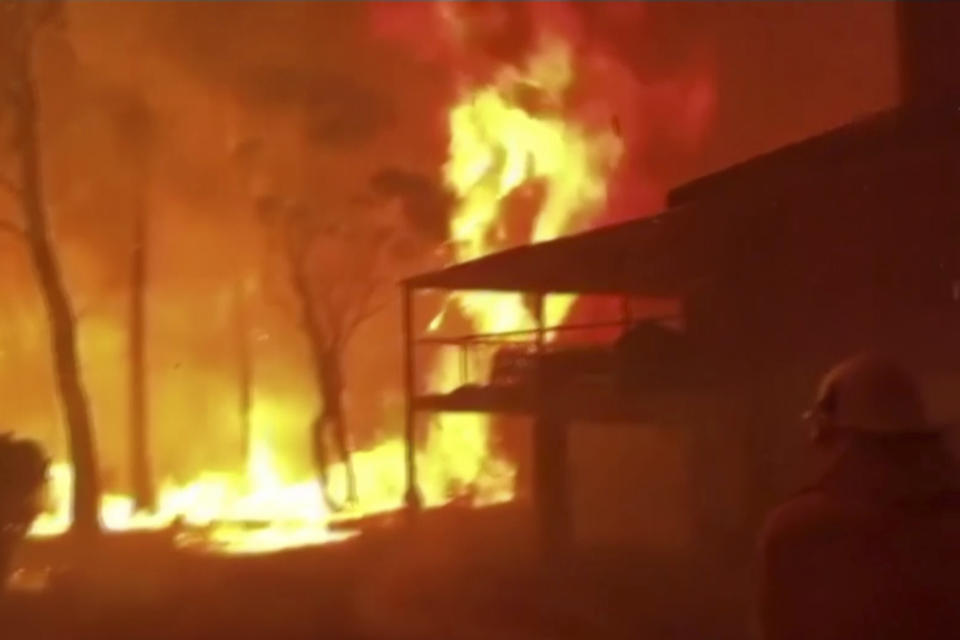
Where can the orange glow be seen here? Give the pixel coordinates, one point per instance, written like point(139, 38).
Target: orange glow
point(270, 506)
point(498, 145)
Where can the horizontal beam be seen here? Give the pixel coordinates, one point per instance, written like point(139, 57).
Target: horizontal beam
point(492, 337)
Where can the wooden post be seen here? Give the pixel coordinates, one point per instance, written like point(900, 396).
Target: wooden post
point(412, 498)
point(538, 318)
point(550, 491)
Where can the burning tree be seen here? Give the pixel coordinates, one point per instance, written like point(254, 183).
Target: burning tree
point(340, 265)
point(339, 256)
point(21, 25)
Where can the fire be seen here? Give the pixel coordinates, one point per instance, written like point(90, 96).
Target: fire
point(515, 132)
point(269, 505)
point(253, 512)
point(498, 145)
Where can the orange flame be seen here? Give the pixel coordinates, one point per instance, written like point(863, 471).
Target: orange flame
point(498, 144)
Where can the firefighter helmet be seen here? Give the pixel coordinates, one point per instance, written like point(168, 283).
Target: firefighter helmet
point(873, 394)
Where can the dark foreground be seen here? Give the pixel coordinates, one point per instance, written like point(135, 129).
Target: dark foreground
point(452, 574)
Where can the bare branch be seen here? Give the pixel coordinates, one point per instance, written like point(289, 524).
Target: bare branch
point(45, 13)
point(366, 309)
point(314, 309)
point(6, 184)
point(327, 315)
point(11, 228)
point(362, 317)
point(10, 94)
point(81, 314)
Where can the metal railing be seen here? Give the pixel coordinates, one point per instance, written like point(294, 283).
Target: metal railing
point(534, 342)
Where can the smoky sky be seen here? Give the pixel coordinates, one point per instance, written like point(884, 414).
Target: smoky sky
point(145, 105)
point(781, 71)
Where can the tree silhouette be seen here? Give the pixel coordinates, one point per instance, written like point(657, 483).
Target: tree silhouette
point(340, 265)
point(20, 26)
point(133, 120)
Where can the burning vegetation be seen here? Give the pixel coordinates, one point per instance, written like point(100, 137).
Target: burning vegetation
point(414, 320)
point(280, 414)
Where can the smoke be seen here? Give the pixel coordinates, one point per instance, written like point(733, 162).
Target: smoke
point(633, 70)
point(159, 128)
point(146, 105)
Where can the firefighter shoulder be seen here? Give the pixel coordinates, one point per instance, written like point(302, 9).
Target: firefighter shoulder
point(869, 550)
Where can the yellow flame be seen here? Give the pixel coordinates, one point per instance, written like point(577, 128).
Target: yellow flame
point(497, 144)
point(256, 511)
point(269, 506)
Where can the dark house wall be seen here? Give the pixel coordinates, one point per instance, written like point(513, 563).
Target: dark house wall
point(825, 259)
point(929, 47)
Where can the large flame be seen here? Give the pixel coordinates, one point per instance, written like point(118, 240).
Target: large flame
point(500, 142)
point(270, 505)
point(261, 509)
point(499, 145)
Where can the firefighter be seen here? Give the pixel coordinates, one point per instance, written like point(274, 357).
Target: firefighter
point(872, 549)
point(23, 473)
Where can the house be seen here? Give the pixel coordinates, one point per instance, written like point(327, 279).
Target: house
point(779, 266)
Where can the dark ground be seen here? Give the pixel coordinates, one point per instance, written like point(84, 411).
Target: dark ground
point(452, 574)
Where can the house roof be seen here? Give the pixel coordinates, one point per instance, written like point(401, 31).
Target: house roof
point(636, 257)
point(921, 125)
point(712, 220)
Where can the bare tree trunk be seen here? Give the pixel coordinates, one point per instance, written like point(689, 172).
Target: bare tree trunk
point(310, 323)
point(140, 468)
point(245, 381)
point(86, 489)
point(332, 395)
point(330, 421)
point(318, 432)
point(327, 355)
